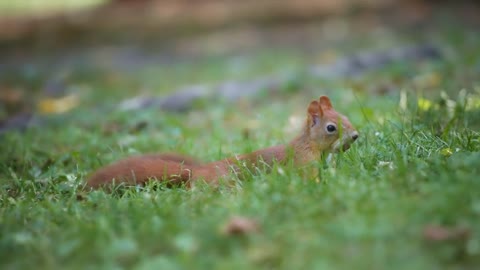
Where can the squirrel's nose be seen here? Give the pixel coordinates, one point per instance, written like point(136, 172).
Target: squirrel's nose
point(355, 136)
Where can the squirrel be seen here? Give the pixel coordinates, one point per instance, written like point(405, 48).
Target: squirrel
point(325, 131)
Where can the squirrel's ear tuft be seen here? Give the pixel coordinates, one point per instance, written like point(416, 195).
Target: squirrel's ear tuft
point(314, 113)
point(314, 108)
point(325, 103)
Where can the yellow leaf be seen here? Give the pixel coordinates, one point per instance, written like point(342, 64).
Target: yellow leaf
point(58, 105)
point(446, 152)
point(473, 103)
point(424, 104)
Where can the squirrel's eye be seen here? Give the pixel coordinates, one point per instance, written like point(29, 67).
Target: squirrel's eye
point(331, 128)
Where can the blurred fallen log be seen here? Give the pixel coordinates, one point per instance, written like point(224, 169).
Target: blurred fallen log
point(363, 62)
point(184, 98)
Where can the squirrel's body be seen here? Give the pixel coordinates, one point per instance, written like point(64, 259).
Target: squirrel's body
point(319, 135)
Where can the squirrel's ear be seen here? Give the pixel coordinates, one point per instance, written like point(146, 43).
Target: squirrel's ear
point(325, 103)
point(314, 113)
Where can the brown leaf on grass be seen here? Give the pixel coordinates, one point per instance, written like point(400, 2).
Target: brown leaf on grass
point(139, 126)
point(239, 225)
point(111, 128)
point(438, 233)
point(81, 197)
point(12, 100)
point(11, 95)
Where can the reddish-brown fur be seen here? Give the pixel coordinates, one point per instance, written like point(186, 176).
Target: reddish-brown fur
point(314, 140)
point(187, 160)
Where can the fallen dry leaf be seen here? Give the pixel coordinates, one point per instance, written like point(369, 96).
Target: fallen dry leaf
point(139, 126)
point(238, 225)
point(11, 95)
point(12, 100)
point(438, 233)
point(81, 197)
point(111, 128)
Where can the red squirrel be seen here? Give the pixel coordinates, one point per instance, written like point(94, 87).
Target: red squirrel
point(324, 131)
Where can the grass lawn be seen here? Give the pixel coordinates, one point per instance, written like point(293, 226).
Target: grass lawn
point(415, 166)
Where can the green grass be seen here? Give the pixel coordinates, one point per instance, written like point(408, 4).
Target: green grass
point(414, 165)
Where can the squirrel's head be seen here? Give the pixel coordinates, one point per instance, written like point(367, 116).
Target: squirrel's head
point(328, 129)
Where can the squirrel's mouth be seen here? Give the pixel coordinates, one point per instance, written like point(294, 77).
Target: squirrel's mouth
point(346, 146)
point(341, 145)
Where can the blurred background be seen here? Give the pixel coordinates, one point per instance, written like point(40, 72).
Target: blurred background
point(57, 55)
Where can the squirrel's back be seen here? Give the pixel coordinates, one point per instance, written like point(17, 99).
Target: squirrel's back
point(139, 169)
